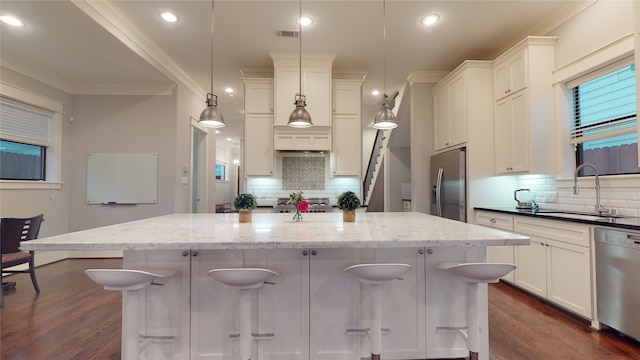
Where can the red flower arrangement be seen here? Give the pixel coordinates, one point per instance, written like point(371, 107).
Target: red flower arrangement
point(303, 206)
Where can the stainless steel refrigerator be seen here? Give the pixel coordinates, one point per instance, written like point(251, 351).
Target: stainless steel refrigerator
point(448, 185)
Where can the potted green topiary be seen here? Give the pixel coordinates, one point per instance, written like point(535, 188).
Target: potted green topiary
point(245, 203)
point(348, 202)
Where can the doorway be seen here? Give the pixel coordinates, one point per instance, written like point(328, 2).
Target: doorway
point(199, 168)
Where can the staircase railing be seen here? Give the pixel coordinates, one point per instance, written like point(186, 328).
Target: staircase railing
point(375, 153)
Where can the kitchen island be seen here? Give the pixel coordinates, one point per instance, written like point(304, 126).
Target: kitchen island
point(313, 310)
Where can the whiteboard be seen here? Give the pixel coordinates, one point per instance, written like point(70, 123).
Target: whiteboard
point(122, 178)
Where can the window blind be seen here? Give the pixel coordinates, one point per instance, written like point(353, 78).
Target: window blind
point(24, 125)
point(605, 106)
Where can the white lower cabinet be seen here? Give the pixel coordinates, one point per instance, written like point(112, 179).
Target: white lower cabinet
point(280, 307)
point(312, 311)
point(499, 254)
point(557, 264)
point(163, 310)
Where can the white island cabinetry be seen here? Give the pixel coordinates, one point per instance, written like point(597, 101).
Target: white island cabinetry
point(313, 309)
point(523, 94)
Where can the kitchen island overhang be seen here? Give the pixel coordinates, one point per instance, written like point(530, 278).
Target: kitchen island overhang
point(278, 231)
point(313, 308)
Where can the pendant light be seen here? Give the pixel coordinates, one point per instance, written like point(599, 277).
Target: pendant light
point(300, 117)
point(385, 119)
point(211, 116)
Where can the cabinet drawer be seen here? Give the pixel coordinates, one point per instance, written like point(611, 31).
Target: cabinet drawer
point(496, 221)
point(563, 231)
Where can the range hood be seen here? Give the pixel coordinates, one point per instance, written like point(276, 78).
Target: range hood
point(312, 139)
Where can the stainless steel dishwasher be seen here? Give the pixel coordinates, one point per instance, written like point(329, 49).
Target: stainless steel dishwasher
point(618, 279)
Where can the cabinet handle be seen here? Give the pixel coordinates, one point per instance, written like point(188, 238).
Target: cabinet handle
point(541, 244)
point(493, 221)
point(194, 254)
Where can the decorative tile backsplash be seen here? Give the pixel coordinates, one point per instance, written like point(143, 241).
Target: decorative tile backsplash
point(308, 172)
point(303, 173)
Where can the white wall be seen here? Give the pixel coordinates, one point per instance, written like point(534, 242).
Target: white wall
point(421, 123)
point(120, 124)
point(595, 27)
point(104, 124)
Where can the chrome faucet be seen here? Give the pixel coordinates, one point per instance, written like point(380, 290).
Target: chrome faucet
point(600, 210)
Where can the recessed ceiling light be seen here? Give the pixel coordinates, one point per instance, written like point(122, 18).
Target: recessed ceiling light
point(430, 19)
point(10, 20)
point(168, 17)
point(229, 139)
point(375, 93)
point(217, 131)
point(304, 21)
point(228, 90)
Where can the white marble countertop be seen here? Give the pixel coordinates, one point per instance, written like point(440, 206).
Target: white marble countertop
point(278, 231)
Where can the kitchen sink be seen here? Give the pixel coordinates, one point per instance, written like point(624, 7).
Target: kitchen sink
point(579, 216)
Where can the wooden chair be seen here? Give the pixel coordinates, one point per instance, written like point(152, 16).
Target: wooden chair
point(12, 232)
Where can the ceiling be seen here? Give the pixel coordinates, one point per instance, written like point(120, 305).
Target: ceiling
point(123, 47)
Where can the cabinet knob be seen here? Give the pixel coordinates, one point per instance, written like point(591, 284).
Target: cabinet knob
point(493, 221)
point(305, 253)
point(421, 251)
point(194, 254)
point(314, 252)
point(185, 253)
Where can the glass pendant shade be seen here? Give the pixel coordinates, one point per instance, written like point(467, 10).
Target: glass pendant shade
point(300, 117)
point(385, 119)
point(211, 117)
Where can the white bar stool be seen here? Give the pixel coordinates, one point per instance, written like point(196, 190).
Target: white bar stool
point(474, 274)
point(375, 275)
point(129, 282)
point(243, 279)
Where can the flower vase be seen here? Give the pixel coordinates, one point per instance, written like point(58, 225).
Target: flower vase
point(297, 217)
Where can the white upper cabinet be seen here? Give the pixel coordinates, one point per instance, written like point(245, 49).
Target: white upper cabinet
point(347, 95)
point(456, 103)
point(316, 86)
point(258, 130)
point(258, 96)
point(346, 154)
point(524, 114)
point(510, 75)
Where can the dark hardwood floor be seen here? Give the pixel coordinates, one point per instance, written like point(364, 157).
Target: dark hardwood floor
point(73, 318)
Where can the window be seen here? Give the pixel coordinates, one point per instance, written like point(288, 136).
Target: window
point(24, 138)
point(19, 161)
point(221, 172)
point(30, 139)
point(604, 130)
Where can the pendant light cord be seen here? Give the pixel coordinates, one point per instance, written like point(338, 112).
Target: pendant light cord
point(212, 17)
point(300, 42)
point(384, 50)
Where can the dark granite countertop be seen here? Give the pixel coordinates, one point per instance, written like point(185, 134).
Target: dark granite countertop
point(623, 222)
